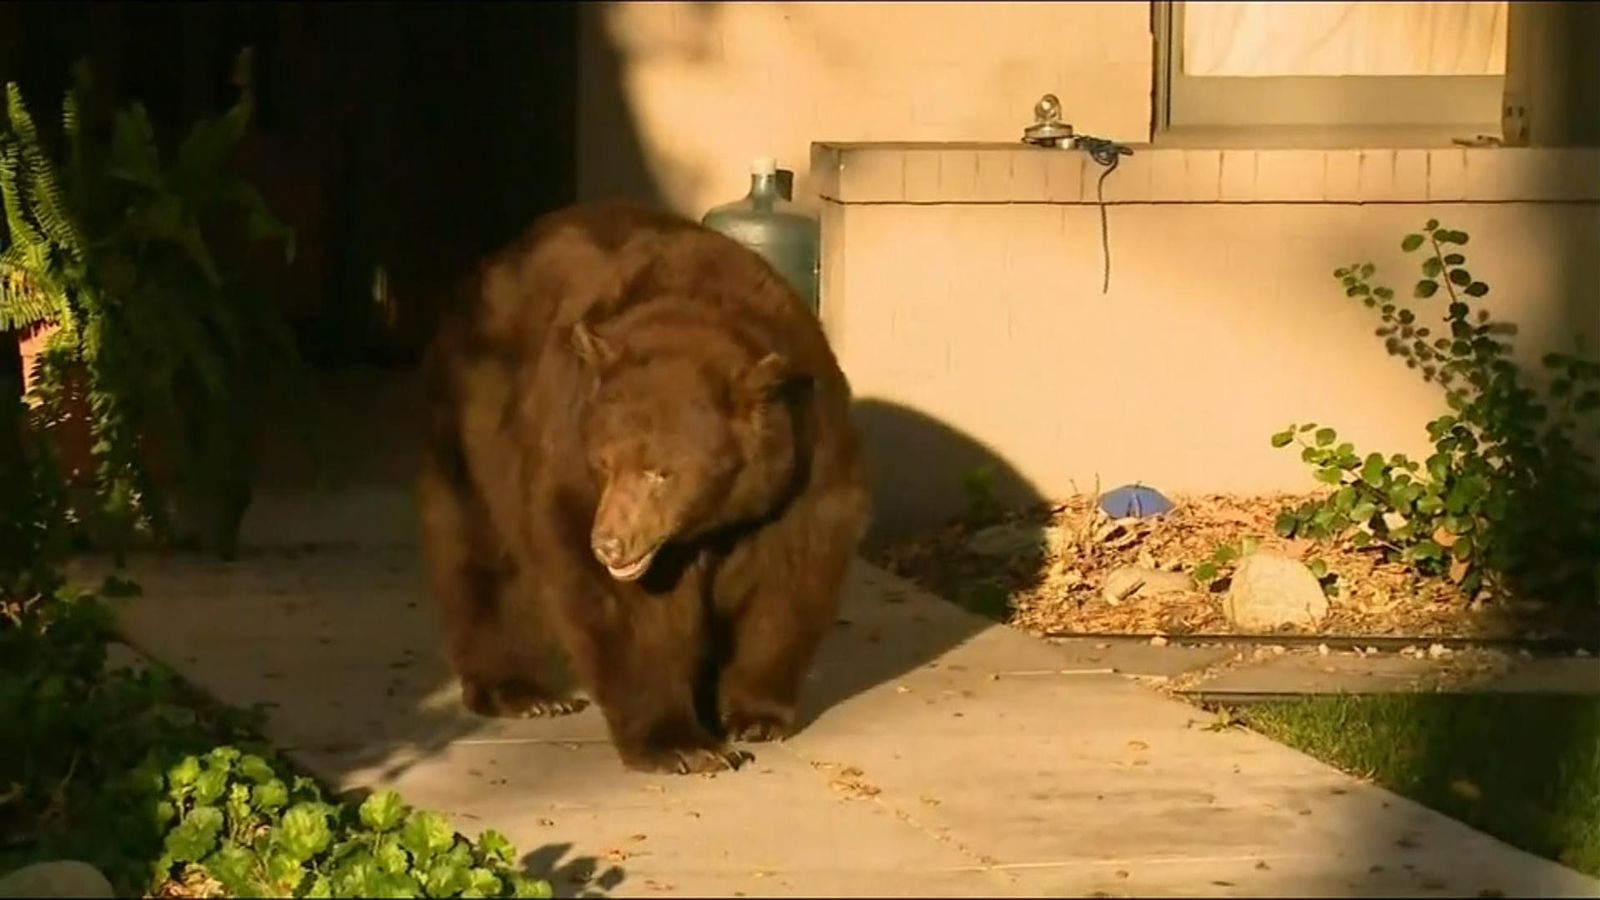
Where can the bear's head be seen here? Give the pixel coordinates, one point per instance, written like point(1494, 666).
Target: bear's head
point(681, 445)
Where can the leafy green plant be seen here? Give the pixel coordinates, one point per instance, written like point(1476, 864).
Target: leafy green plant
point(128, 770)
point(1218, 568)
point(236, 818)
point(118, 249)
point(978, 485)
point(1509, 500)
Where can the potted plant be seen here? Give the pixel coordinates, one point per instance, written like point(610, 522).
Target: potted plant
point(133, 321)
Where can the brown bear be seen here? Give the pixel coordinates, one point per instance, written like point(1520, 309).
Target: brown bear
point(640, 463)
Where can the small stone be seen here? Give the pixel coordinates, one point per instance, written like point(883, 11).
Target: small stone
point(58, 878)
point(1270, 591)
point(1372, 651)
point(1322, 650)
point(1582, 653)
point(1438, 651)
point(1158, 641)
point(1009, 539)
point(1139, 581)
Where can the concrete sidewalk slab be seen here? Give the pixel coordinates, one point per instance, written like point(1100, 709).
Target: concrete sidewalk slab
point(944, 756)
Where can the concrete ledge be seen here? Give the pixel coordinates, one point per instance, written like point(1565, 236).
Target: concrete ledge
point(948, 173)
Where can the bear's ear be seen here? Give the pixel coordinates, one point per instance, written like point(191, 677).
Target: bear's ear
point(593, 350)
point(766, 380)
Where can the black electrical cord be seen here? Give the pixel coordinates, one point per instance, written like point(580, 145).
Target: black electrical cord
point(1107, 154)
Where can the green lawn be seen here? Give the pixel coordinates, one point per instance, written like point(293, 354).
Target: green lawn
point(1523, 768)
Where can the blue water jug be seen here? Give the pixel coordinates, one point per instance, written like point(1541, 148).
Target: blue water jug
point(785, 235)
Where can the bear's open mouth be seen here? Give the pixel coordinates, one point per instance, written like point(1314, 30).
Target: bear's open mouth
point(634, 570)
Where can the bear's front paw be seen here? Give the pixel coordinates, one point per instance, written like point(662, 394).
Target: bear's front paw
point(516, 700)
point(687, 760)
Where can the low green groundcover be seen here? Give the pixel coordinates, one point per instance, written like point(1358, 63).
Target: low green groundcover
point(1524, 768)
point(136, 775)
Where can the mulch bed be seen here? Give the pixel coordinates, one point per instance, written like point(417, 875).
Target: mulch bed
point(1051, 581)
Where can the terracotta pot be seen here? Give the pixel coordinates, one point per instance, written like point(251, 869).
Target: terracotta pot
point(72, 436)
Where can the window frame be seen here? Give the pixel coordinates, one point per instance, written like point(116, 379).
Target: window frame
point(1439, 106)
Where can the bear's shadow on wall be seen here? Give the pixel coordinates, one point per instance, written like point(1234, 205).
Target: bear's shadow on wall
point(917, 469)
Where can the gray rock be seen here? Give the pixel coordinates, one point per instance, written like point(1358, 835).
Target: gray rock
point(1269, 591)
point(57, 878)
point(1137, 581)
point(1008, 539)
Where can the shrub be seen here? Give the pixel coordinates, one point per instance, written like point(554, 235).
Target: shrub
point(1509, 501)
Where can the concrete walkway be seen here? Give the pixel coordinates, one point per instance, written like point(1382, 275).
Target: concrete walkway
point(946, 757)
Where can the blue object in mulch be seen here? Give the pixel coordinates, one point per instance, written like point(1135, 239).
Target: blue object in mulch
point(1135, 501)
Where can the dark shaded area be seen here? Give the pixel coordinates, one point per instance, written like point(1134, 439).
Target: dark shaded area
point(411, 136)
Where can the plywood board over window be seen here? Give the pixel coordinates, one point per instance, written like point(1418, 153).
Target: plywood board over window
point(1332, 65)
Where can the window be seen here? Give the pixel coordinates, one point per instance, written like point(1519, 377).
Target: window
point(1331, 65)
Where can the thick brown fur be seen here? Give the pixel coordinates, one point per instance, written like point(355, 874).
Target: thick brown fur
point(615, 377)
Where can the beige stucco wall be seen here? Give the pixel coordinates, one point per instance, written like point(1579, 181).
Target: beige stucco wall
point(962, 287)
point(684, 94)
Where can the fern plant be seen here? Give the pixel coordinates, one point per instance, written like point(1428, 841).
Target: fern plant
point(116, 247)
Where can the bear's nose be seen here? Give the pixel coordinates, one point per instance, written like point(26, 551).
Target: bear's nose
point(610, 549)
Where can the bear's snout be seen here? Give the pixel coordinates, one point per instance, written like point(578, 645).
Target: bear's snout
point(610, 550)
point(626, 561)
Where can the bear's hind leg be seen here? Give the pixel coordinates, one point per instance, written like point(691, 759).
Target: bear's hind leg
point(498, 649)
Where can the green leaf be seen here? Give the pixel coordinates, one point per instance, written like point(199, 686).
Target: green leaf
point(1454, 259)
point(481, 883)
point(1330, 475)
point(303, 832)
point(382, 811)
point(445, 879)
point(1205, 573)
point(1326, 436)
point(1431, 267)
point(256, 769)
point(1282, 439)
point(210, 786)
point(533, 888)
point(182, 776)
point(1425, 289)
point(1432, 224)
point(1460, 277)
point(390, 856)
point(1373, 470)
point(196, 836)
point(1424, 550)
point(1344, 499)
point(426, 834)
point(271, 796)
point(1318, 568)
point(1285, 524)
point(1363, 512)
point(1411, 242)
point(496, 848)
point(234, 866)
